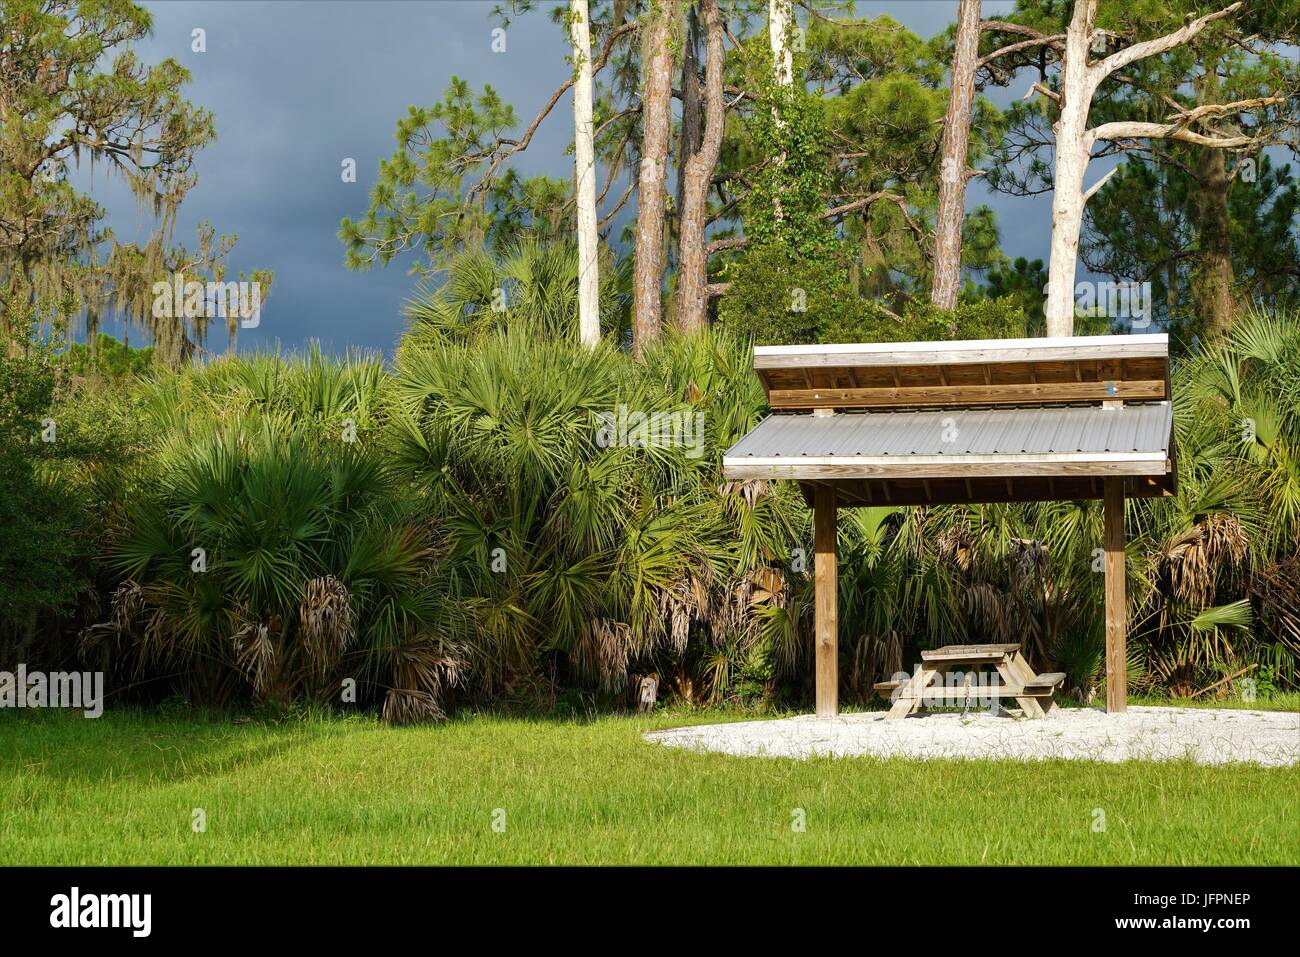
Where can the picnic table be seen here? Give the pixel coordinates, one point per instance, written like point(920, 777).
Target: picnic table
point(1033, 692)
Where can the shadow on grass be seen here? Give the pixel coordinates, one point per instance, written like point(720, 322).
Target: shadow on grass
point(148, 746)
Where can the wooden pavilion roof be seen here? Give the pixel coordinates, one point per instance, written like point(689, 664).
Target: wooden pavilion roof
point(965, 422)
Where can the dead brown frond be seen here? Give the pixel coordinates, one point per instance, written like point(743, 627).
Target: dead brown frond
point(601, 652)
point(730, 612)
point(125, 608)
point(645, 692)
point(956, 545)
point(403, 706)
point(424, 670)
point(1029, 565)
point(686, 600)
point(987, 610)
point(256, 656)
point(127, 604)
point(874, 658)
point(1275, 592)
point(325, 622)
point(768, 586)
point(1192, 560)
point(157, 637)
point(751, 490)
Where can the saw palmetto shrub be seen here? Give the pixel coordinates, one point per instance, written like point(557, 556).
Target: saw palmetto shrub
point(587, 529)
point(1213, 603)
point(265, 549)
point(506, 516)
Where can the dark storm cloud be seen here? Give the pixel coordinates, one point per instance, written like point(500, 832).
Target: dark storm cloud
point(297, 87)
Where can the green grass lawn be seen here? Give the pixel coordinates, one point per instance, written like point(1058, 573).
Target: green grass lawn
point(122, 790)
point(1282, 701)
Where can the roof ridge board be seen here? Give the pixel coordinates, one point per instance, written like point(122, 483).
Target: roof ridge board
point(963, 352)
point(985, 407)
point(961, 345)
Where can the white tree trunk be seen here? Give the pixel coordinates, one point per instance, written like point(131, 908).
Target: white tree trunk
point(584, 178)
point(1079, 80)
point(779, 18)
point(1073, 146)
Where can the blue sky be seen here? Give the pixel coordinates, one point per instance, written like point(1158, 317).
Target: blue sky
point(296, 87)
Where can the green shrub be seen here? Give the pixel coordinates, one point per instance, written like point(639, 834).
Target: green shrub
point(39, 546)
point(481, 534)
point(109, 358)
point(779, 298)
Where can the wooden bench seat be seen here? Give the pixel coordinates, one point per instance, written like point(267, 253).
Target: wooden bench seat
point(936, 692)
point(969, 653)
point(1048, 680)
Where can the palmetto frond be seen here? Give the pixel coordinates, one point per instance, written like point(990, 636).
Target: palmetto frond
point(1195, 558)
point(531, 288)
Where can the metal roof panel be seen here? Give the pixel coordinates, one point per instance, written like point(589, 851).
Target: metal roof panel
point(1134, 427)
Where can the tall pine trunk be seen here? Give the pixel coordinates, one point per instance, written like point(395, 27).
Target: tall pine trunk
point(952, 158)
point(584, 178)
point(1072, 153)
point(1215, 276)
point(688, 142)
point(780, 18)
point(692, 258)
point(656, 127)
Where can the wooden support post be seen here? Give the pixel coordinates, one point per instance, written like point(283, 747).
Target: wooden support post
point(1116, 606)
point(828, 677)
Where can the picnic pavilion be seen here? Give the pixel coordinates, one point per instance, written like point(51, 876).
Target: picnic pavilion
point(980, 421)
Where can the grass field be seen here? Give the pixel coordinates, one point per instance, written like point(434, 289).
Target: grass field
point(123, 789)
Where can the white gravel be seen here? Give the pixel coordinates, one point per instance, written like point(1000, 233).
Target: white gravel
point(1205, 735)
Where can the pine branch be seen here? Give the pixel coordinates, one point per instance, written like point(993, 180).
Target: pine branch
point(505, 147)
point(1150, 48)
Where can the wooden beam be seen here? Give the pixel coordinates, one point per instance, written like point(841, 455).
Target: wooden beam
point(831, 468)
point(827, 601)
point(856, 492)
point(1116, 602)
point(947, 353)
point(967, 395)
